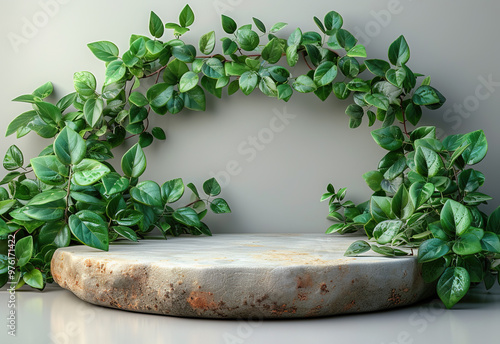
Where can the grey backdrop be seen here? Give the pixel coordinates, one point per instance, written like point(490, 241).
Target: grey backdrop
point(302, 145)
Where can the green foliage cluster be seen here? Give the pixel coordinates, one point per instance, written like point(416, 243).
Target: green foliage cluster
point(425, 195)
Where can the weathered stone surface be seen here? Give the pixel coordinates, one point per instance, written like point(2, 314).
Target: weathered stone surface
point(239, 276)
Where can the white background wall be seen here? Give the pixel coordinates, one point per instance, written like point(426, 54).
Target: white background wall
point(278, 189)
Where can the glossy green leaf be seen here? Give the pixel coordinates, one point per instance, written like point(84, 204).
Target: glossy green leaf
point(219, 206)
point(52, 211)
point(380, 208)
point(273, 51)
point(13, 158)
point(420, 193)
point(172, 190)
point(390, 138)
point(194, 99)
point(333, 21)
point(115, 71)
point(428, 163)
point(155, 25)
point(467, 244)
point(104, 50)
point(92, 111)
point(69, 147)
point(211, 187)
point(402, 205)
point(207, 43)
point(89, 171)
point(399, 52)
point(34, 279)
point(158, 95)
point(228, 24)
point(186, 17)
point(432, 270)
point(49, 113)
point(126, 232)
point(355, 112)
point(455, 217)
point(304, 84)
point(432, 249)
point(477, 149)
point(356, 248)
point(357, 51)
point(325, 73)
point(84, 83)
point(134, 162)
point(50, 170)
point(138, 99)
point(425, 95)
point(213, 68)
point(24, 250)
point(187, 216)
point(54, 233)
point(188, 81)
point(490, 242)
point(453, 285)
point(248, 82)
point(248, 39)
point(148, 193)
point(90, 229)
point(385, 231)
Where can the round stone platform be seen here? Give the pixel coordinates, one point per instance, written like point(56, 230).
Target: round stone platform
point(239, 276)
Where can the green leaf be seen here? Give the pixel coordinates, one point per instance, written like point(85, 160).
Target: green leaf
point(345, 39)
point(432, 249)
point(84, 83)
point(134, 162)
point(467, 244)
point(89, 171)
point(187, 216)
point(399, 52)
point(373, 180)
point(207, 43)
point(413, 113)
point(276, 27)
point(396, 76)
point(175, 104)
point(356, 248)
point(228, 24)
point(432, 270)
point(90, 229)
point(268, 87)
point(421, 192)
point(159, 133)
point(385, 231)
point(455, 217)
point(470, 180)
point(260, 25)
point(47, 196)
point(159, 94)
point(126, 232)
point(377, 67)
point(194, 99)
point(115, 71)
point(186, 17)
point(248, 39)
point(378, 100)
point(52, 211)
point(333, 21)
point(49, 170)
point(138, 99)
point(219, 206)
point(304, 84)
point(380, 208)
point(229, 46)
point(248, 82)
point(453, 285)
point(213, 68)
point(402, 205)
point(26, 98)
point(172, 190)
point(490, 242)
point(273, 51)
point(6, 205)
point(188, 81)
point(155, 25)
point(211, 187)
point(44, 91)
point(390, 138)
point(357, 51)
point(355, 112)
point(69, 147)
point(54, 233)
point(148, 193)
point(426, 95)
point(388, 251)
point(428, 163)
point(34, 279)
point(104, 50)
point(24, 250)
point(113, 183)
point(349, 66)
point(477, 149)
point(13, 159)
point(493, 224)
point(49, 113)
point(325, 73)
point(21, 122)
point(92, 111)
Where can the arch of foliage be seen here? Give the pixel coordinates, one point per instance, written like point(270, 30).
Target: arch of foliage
point(425, 192)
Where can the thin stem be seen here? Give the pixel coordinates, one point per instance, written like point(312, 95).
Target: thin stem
point(66, 210)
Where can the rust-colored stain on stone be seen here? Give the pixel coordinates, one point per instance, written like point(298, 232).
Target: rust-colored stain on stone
point(349, 306)
point(280, 310)
point(395, 298)
point(87, 263)
point(202, 300)
point(324, 289)
point(302, 296)
point(304, 281)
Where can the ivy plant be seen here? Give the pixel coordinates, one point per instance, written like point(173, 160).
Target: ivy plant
point(70, 194)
